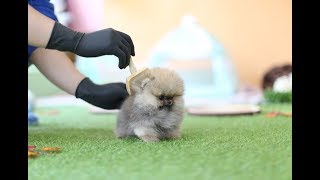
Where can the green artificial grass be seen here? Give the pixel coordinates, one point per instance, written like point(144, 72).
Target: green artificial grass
point(237, 147)
point(278, 97)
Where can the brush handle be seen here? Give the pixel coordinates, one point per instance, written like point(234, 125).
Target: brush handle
point(132, 67)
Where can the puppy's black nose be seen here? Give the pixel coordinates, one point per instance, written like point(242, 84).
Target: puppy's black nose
point(168, 102)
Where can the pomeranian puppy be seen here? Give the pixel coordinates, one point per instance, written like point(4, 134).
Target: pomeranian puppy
point(155, 109)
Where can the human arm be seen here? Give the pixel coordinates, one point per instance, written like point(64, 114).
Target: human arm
point(59, 69)
point(46, 33)
point(39, 28)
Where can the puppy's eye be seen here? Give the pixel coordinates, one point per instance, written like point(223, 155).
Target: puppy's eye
point(161, 97)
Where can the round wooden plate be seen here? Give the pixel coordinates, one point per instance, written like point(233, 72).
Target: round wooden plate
point(224, 110)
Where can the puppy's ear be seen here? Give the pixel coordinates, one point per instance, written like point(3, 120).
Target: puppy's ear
point(145, 82)
point(140, 82)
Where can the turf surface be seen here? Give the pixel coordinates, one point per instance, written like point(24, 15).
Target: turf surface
point(239, 147)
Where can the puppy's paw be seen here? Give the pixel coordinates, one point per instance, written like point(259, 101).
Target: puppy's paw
point(175, 134)
point(146, 134)
point(121, 135)
point(149, 138)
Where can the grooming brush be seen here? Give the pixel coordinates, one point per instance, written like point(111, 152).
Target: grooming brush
point(134, 74)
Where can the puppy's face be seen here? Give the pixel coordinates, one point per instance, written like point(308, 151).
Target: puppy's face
point(160, 88)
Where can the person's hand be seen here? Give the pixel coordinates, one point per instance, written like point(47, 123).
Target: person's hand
point(107, 42)
point(106, 96)
point(104, 42)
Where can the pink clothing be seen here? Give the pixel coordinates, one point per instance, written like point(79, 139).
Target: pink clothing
point(87, 16)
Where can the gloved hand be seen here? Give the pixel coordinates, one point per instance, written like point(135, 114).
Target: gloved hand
point(107, 96)
point(98, 43)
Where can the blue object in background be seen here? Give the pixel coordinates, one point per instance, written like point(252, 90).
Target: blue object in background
point(199, 59)
point(32, 118)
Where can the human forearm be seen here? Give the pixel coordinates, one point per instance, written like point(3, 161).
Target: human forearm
point(57, 68)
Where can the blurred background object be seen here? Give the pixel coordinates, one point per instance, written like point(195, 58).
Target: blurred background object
point(198, 57)
point(248, 36)
point(278, 78)
point(62, 12)
point(32, 117)
point(277, 84)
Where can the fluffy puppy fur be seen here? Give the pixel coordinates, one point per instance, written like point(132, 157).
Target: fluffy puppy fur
point(155, 109)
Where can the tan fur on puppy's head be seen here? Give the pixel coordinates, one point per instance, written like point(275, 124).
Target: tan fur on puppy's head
point(166, 82)
point(159, 81)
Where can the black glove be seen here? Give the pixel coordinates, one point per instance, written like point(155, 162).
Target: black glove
point(107, 96)
point(98, 43)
